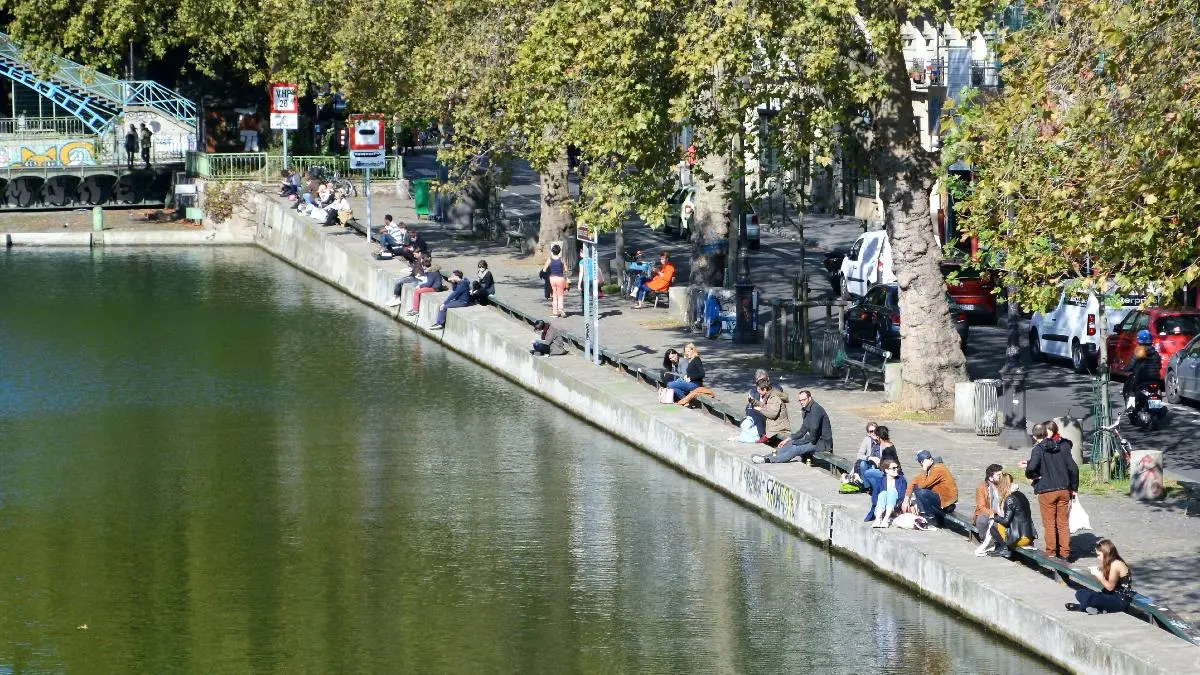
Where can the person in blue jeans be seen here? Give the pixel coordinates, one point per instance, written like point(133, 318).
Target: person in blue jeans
point(693, 377)
point(1115, 577)
point(460, 296)
point(813, 436)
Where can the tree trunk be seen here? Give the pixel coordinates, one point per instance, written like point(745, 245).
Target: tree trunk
point(710, 225)
point(558, 224)
point(932, 357)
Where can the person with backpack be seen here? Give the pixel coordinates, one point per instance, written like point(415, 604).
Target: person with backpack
point(1055, 479)
point(555, 270)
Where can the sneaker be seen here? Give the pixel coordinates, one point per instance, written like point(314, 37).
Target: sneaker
point(758, 459)
point(1073, 607)
point(436, 326)
point(394, 302)
point(1092, 610)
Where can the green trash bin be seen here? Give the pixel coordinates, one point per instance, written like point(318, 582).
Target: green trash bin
point(421, 196)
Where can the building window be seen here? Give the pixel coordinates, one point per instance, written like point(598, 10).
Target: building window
point(858, 170)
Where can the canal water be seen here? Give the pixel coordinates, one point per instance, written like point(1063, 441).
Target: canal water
point(210, 462)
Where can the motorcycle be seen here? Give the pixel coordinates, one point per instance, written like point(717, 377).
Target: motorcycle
point(1148, 410)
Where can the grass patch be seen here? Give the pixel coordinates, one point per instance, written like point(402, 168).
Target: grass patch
point(893, 411)
point(1090, 483)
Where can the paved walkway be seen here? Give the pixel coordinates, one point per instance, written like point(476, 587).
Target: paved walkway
point(1158, 540)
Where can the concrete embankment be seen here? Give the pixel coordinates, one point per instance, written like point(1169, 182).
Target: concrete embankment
point(204, 237)
point(1018, 604)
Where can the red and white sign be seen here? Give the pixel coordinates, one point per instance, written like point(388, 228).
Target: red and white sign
point(368, 147)
point(285, 106)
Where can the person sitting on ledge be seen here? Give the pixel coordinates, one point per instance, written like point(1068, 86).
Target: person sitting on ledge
point(1012, 526)
point(460, 296)
point(391, 235)
point(483, 288)
point(432, 284)
point(886, 488)
point(771, 407)
point(550, 340)
point(415, 249)
point(868, 455)
point(933, 492)
point(814, 435)
point(988, 501)
point(416, 275)
point(693, 374)
point(1116, 578)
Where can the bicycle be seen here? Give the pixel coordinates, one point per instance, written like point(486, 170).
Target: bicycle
point(334, 178)
point(1119, 461)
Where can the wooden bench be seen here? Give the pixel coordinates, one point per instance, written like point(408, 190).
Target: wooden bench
point(871, 363)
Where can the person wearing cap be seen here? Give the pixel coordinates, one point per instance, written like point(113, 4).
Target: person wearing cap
point(814, 435)
point(550, 341)
point(933, 492)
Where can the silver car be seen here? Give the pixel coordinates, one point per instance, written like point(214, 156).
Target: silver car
point(1183, 373)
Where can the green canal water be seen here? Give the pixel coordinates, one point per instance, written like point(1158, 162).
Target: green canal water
point(211, 463)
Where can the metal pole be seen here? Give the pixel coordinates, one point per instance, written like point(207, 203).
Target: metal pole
point(595, 293)
point(733, 237)
point(586, 292)
point(285, 157)
point(367, 190)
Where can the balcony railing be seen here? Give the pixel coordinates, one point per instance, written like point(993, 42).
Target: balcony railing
point(928, 72)
point(44, 126)
point(985, 75)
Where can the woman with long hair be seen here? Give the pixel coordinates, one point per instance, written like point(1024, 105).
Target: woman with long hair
point(1116, 578)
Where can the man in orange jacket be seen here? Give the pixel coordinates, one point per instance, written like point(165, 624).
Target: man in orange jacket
point(933, 492)
point(661, 281)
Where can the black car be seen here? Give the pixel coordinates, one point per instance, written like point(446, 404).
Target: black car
point(875, 319)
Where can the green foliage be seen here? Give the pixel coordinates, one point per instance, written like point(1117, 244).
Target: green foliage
point(1088, 161)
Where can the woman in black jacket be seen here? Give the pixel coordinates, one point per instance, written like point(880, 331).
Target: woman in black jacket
point(1013, 526)
point(483, 287)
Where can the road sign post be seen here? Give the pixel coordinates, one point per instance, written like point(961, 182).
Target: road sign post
point(285, 111)
point(591, 293)
point(367, 151)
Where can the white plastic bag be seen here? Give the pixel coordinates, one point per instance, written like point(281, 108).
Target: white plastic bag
point(1077, 518)
point(748, 432)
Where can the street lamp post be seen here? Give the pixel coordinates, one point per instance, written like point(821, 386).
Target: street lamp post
point(743, 329)
point(1012, 378)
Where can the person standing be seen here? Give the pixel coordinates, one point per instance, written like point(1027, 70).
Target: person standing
point(147, 140)
point(814, 435)
point(556, 272)
point(1055, 479)
point(131, 145)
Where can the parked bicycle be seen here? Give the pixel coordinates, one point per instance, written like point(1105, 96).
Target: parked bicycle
point(1110, 436)
point(335, 178)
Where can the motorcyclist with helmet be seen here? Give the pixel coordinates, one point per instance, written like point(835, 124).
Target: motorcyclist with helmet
point(1146, 368)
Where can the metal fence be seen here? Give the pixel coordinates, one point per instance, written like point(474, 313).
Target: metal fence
point(263, 167)
point(44, 126)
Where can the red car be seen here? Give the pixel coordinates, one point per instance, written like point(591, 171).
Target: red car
point(972, 291)
point(1172, 329)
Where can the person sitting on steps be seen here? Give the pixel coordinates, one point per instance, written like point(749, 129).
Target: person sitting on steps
point(814, 435)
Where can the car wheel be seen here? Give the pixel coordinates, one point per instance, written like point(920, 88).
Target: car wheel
point(1172, 388)
point(843, 290)
point(1035, 347)
point(1078, 361)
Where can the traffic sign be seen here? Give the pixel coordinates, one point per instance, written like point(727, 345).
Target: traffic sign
point(367, 143)
point(285, 106)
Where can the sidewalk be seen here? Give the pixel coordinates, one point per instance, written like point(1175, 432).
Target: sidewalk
point(1158, 540)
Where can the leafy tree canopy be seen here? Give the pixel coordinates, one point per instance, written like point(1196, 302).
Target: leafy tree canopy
point(1087, 166)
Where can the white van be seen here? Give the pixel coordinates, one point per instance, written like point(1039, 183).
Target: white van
point(1071, 330)
point(869, 262)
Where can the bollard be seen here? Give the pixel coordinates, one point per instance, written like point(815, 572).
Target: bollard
point(97, 219)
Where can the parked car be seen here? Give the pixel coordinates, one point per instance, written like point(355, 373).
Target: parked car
point(875, 319)
point(973, 291)
point(869, 261)
point(681, 207)
point(1183, 373)
point(1071, 330)
point(1171, 329)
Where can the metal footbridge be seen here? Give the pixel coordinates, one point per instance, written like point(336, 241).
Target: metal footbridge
point(96, 99)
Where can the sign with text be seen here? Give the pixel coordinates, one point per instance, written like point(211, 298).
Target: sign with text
point(585, 233)
point(285, 106)
point(367, 142)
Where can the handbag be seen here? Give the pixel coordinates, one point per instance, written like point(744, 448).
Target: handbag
point(666, 395)
point(1077, 518)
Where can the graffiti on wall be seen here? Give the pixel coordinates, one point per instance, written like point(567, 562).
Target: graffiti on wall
point(62, 152)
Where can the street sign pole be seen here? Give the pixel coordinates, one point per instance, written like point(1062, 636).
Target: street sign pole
point(585, 288)
point(285, 159)
point(367, 190)
point(594, 292)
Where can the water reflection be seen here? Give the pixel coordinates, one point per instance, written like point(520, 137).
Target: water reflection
point(220, 465)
